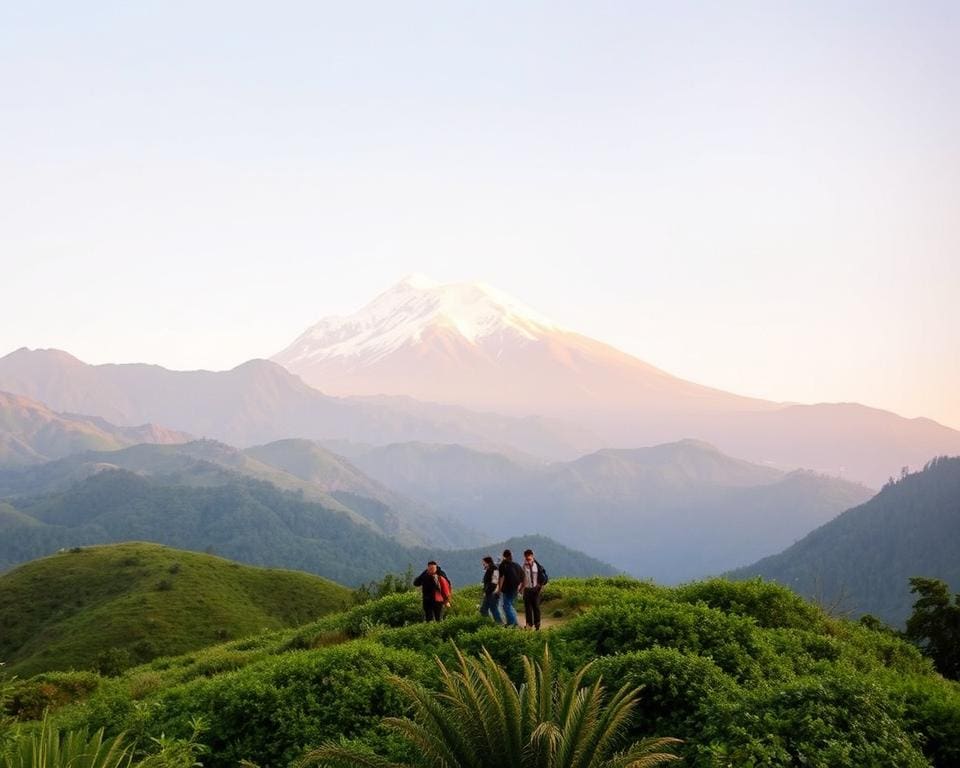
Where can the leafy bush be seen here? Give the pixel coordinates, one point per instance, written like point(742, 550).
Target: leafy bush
point(769, 604)
point(269, 712)
point(676, 687)
point(29, 699)
point(838, 720)
point(731, 641)
point(932, 709)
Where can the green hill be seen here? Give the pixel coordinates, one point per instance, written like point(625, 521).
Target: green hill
point(863, 559)
point(246, 520)
point(114, 605)
point(747, 674)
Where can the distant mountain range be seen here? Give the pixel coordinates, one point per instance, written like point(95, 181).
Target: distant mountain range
point(472, 345)
point(862, 560)
point(315, 473)
point(260, 402)
point(31, 433)
point(672, 512)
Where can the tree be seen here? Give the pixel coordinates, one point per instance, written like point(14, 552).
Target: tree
point(935, 624)
point(482, 720)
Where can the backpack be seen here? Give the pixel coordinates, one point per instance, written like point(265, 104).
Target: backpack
point(441, 572)
point(443, 596)
point(543, 573)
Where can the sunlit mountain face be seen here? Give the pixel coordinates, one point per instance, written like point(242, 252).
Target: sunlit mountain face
point(473, 345)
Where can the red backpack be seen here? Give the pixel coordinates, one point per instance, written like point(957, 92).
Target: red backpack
point(443, 596)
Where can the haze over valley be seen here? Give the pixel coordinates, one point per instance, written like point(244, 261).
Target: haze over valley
point(452, 416)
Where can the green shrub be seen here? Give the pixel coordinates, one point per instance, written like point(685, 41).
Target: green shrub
point(269, 712)
point(29, 699)
point(835, 720)
point(392, 611)
point(769, 604)
point(730, 640)
point(676, 687)
point(932, 709)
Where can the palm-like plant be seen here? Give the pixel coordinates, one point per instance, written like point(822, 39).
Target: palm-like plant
point(48, 747)
point(482, 720)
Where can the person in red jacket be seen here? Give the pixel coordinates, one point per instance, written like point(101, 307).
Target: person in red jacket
point(436, 591)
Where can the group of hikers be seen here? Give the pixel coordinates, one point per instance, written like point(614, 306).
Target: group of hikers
point(502, 582)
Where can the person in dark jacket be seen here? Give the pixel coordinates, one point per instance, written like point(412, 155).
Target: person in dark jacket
point(532, 587)
point(436, 591)
point(491, 598)
point(511, 578)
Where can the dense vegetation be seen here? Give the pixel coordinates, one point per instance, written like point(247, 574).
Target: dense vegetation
point(246, 520)
point(935, 625)
point(484, 720)
point(114, 606)
point(863, 560)
point(747, 674)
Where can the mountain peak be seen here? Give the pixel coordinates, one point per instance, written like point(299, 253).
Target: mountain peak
point(411, 310)
point(36, 356)
point(419, 282)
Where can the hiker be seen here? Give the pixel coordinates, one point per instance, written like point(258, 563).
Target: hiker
point(491, 598)
point(509, 581)
point(534, 577)
point(436, 591)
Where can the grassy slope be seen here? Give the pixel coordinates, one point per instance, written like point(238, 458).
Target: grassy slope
point(746, 674)
point(60, 612)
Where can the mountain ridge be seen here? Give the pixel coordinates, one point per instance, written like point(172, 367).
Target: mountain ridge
point(410, 341)
point(31, 432)
point(862, 560)
point(670, 512)
point(260, 401)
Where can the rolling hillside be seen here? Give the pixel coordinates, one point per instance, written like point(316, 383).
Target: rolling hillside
point(246, 520)
point(743, 673)
point(863, 559)
point(401, 518)
point(207, 463)
point(113, 606)
point(672, 512)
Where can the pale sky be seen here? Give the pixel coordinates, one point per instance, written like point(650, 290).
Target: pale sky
point(762, 197)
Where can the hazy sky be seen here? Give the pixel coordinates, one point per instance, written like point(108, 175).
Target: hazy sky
point(762, 197)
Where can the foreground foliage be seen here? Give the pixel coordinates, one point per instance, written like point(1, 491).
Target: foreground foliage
point(935, 624)
point(482, 720)
point(746, 674)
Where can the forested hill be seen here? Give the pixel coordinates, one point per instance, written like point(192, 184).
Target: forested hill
point(864, 558)
point(247, 520)
point(112, 606)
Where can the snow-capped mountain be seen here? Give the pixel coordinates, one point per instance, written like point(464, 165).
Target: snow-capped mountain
point(408, 314)
point(471, 345)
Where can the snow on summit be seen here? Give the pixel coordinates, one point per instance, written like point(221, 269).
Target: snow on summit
point(402, 314)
